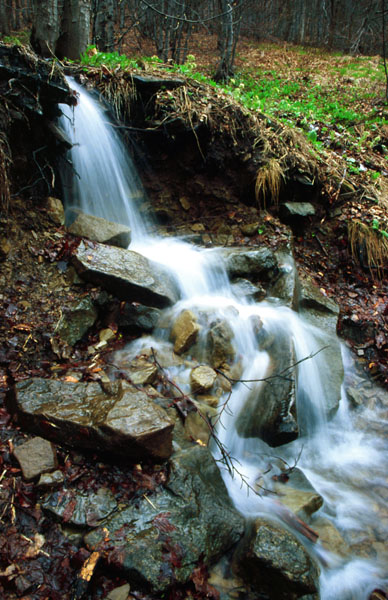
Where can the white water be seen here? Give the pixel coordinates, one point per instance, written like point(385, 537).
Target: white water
point(105, 183)
point(345, 459)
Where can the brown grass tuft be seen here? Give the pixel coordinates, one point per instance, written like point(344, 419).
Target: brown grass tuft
point(368, 246)
point(268, 183)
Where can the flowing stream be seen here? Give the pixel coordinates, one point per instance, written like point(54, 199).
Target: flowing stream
point(344, 458)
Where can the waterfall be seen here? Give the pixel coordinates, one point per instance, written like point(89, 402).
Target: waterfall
point(104, 182)
point(344, 457)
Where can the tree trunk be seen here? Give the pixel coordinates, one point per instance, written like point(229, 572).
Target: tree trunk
point(104, 25)
point(46, 26)
point(75, 29)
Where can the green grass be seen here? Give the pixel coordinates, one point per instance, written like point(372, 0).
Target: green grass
point(329, 115)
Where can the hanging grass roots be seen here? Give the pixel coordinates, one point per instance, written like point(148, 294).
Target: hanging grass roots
point(268, 183)
point(368, 246)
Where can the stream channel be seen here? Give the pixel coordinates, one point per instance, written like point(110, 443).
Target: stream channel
point(344, 457)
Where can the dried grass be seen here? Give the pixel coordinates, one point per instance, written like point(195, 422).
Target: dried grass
point(120, 93)
point(269, 182)
point(368, 246)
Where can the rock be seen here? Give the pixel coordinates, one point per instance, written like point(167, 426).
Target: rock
point(330, 537)
point(100, 230)
point(197, 429)
point(220, 349)
point(202, 379)
point(184, 331)
point(76, 321)
point(298, 494)
point(246, 289)
point(322, 312)
point(142, 372)
point(250, 229)
point(159, 542)
point(260, 264)
point(42, 84)
point(136, 318)
point(296, 209)
point(126, 274)
point(274, 561)
point(80, 508)
point(119, 593)
point(286, 285)
point(302, 503)
point(313, 301)
point(55, 210)
point(269, 410)
point(50, 480)
point(125, 423)
point(35, 457)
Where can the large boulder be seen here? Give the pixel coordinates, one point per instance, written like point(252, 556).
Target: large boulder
point(159, 541)
point(100, 230)
point(275, 563)
point(126, 274)
point(125, 422)
point(269, 411)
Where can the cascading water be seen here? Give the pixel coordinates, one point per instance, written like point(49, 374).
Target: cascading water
point(344, 457)
point(105, 183)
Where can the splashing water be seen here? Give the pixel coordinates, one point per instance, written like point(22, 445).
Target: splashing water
point(344, 457)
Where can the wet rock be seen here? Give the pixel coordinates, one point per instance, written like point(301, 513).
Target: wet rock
point(220, 348)
point(119, 593)
point(245, 288)
point(330, 537)
point(184, 331)
point(312, 302)
point(80, 508)
point(202, 379)
point(76, 321)
point(142, 372)
point(136, 318)
point(301, 502)
point(198, 423)
point(125, 422)
point(159, 542)
point(275, 562)
point(269, 411)
point(55, 210)
point(252, 264)
point(126, 274)
point(100, 230)
point(322, 312)
point(42, 84)
point(35, 457)
point(285, 286)
point(50, 480)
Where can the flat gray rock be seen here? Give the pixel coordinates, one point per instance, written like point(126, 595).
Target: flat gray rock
point(100, 230)
point(126, 274)
point(125, 423)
